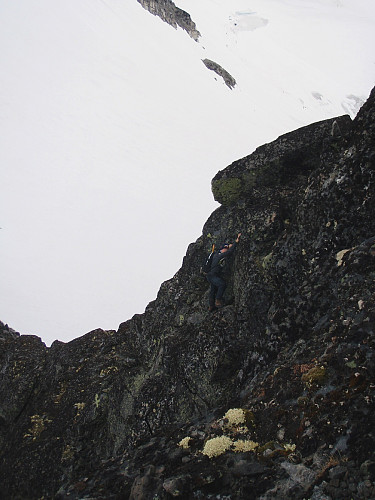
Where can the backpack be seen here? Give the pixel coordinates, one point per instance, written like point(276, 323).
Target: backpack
point(206, 267)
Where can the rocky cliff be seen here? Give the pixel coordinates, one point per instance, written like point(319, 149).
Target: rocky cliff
point(271, 396)
point(171, 14)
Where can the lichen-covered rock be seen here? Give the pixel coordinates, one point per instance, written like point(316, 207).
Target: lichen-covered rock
point(316, 375)
point(282, 377)
point(284, 162)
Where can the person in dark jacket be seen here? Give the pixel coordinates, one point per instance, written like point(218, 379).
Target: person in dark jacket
point(215, 275)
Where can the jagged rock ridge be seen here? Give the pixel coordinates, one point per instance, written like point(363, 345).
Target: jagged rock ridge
point(173, 15)
point(169, 13)
point(283, 375)
point(227, 77)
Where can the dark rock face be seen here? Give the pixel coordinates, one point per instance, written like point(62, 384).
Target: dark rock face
point(169, 13)
point(271, 396)
point(173, 15)
point(227, 77)
point(286, 161)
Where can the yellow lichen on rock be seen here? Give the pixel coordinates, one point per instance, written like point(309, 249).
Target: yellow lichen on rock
point(184, 443)
point(243, 445)
point(289, 447)
point(217, 446)
point(38, 425)
point(340, 256)
point(97, 401)
point(235, 416)
point(238, 416)
point(107, 371)
point(80, 407)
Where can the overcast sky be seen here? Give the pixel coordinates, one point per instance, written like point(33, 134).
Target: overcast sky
point(111, 129)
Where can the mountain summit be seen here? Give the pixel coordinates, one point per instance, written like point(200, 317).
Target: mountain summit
point(271, 396)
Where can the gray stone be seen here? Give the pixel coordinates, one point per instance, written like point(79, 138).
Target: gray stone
point(319, 494)
point(300, 474)
point(219, 70)
point(244, 468)
point(337, 472)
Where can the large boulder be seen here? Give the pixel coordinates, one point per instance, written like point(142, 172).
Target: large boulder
point(282, 161)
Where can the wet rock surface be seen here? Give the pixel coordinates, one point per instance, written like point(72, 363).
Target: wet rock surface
point(271, 396)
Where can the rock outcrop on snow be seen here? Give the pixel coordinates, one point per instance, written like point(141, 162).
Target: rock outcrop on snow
point(219, 70)
point(171, 14)
point(271, 396)
point(176, 17)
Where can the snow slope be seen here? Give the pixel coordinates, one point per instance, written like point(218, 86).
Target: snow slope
point(111, 129)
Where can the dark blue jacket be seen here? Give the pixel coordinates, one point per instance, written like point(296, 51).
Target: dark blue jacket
point(218, 261)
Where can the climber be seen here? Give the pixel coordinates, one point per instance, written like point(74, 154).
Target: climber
point(215, 275)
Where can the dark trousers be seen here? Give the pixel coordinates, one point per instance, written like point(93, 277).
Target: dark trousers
point(218, 287)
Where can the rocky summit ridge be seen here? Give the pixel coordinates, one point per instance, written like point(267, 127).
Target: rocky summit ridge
point(271, 396)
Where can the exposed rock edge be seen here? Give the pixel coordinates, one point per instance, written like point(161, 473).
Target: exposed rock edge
point(169, 13)
point(135, 413)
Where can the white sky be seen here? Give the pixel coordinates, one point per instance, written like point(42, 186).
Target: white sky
point(111, 129)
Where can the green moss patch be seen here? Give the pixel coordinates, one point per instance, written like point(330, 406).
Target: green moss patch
point(227, 191)
point(317, 375)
